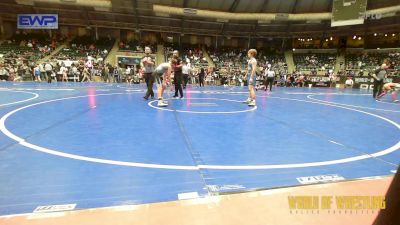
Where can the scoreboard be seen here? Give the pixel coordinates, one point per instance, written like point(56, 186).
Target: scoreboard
point(348, 12)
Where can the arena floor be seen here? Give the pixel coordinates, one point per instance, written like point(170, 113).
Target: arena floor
point(102, 145)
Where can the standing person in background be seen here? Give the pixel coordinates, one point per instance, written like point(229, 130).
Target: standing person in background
point(270, 77)
point(117, 74)
point(379, 78)
point(251, 77)
point(75, 73)
point(104, 73)
point(177, 74)
point(148, 65)
point(85, 74)
point(110, 73)
point(193, 77)
point(332, 78)
point(42, 71)
point(36, 73)
point(202, 75)
point(186, 72)
point(49, 71)
point(63, 71)
point(89, 65)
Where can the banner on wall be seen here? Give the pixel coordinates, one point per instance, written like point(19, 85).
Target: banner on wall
point(37, 21)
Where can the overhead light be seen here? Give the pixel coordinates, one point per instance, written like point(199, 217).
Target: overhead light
point(359, 38)
point(385, 35)
point(393, 35)
point(378, 48)
point(331, 38)
point(354, 37)
point(222, 21)
point(313, 21)
point(375, 34)
point(189, 11)
point(92, 3)
point(264, 21)
point(102, 9)
point(326, 39)
point(294, 49)
point(162, 14)
point(25, 2)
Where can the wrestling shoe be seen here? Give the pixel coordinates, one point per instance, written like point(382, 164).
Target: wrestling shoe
point(162, 103)
point(252, 103)
point(247, 101)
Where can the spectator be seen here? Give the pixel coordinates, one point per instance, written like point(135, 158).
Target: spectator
point(86, 74)
point(64, 73)
point(75, 73)
point(186, 70)
point(349, 83)
point(3, 73)
point(49, 70)
point(36, 74)
point(117, 74)
point(42, 71)
point(202, 75)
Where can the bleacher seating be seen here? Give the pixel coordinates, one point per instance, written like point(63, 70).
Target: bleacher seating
point(314, 61)
point(135, 46)
point(371, 60)
point(195, 56)
point(82, 47)
point(28, 46)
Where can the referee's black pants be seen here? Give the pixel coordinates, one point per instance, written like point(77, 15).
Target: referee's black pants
point(378, 86)
point(178, 84)
point(269, 81)
point(148, 78)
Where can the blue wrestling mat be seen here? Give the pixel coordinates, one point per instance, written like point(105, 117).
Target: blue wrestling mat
point(98, 145)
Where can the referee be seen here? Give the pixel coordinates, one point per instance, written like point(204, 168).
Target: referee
point(148, 64)
point(379, 78)
point(270, 77)
point(178, 77)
